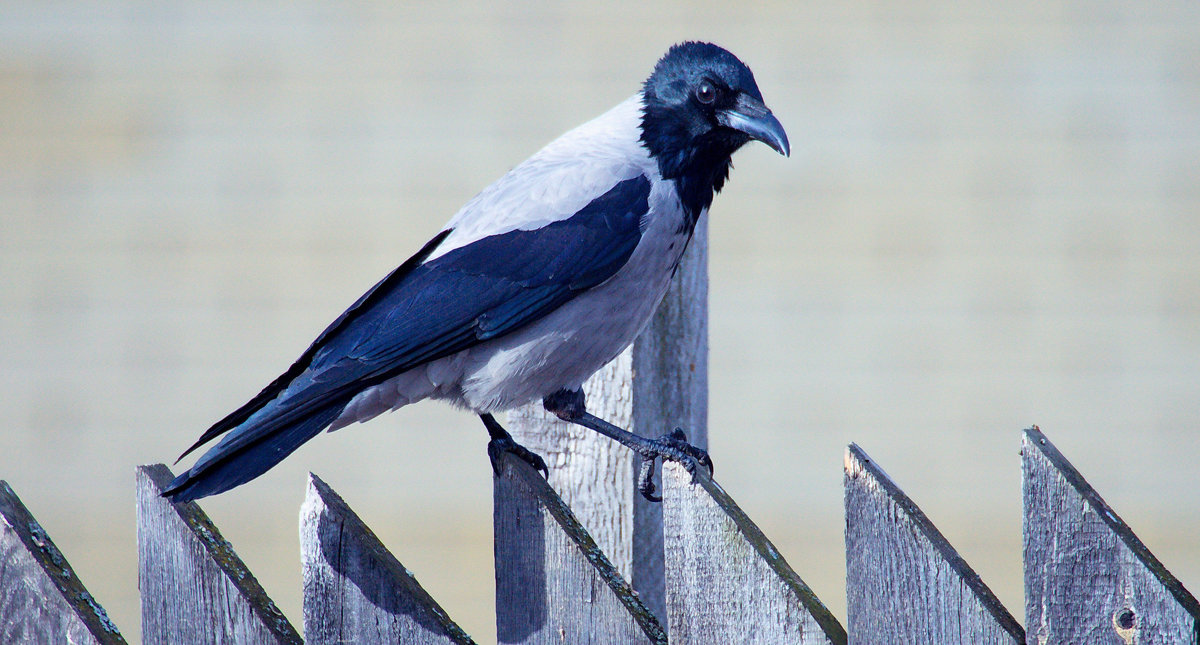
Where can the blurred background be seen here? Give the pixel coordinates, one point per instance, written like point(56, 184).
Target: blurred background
point(991, 219)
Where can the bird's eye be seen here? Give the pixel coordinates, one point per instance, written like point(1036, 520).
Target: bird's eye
point(706, 93)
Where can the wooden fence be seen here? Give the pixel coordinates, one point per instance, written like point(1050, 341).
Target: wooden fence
point(694, 569)
point(1088, 579)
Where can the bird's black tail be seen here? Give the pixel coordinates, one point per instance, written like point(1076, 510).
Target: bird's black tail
point(248, 452)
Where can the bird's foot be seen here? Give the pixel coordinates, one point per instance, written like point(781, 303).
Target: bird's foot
point(673, 446)
point(503, 442)
point(500, 445)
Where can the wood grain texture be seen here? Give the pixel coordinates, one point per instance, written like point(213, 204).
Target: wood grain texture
point(553, 584)
point(195, 589)
point(1088, 578)
point(42, 601)
point(726, 582)
point(904, 582)
point(597, 476)
point(355, 591)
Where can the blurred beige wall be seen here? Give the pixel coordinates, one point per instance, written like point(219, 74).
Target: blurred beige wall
point(990, 220)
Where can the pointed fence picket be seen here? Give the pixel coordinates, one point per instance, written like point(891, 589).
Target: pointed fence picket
point(726, 582)
point(195, 588)
point(42, 601)
point(1088, 578)
point(904, 582)
point(355, 590)
point(553, 584)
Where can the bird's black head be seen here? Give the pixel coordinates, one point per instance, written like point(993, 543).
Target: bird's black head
point(700, 105)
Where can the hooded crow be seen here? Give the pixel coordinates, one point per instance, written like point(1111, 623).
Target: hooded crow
point(535, 284)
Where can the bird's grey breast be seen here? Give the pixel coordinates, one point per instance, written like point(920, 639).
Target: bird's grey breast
point(568, 345)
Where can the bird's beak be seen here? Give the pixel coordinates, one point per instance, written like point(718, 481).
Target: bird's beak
point(750, 116)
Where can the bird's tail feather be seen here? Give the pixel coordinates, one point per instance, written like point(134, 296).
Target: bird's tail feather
point(216, 473)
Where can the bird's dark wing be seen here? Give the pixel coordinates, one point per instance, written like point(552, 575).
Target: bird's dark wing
point(421, 312)
point(485, 289)
point(272, 390)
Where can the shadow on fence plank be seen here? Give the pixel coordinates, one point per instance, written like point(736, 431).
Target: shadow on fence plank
point(553, 584)
point(726, 582)
point(41, 598)
point(195, 588)
point(1088, 578)
point(355, 590)
point(904, 582)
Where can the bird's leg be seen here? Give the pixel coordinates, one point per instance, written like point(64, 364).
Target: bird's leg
point(503, 442)
point(569, 405)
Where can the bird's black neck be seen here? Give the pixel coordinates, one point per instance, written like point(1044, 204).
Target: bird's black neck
point(699, 166)
point(697, 188)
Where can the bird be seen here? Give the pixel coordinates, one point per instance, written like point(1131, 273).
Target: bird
point(535, 284)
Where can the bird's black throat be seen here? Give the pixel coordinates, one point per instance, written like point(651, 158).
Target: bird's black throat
point(699, 165)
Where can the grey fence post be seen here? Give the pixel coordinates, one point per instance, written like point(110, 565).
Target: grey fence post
point(553, 584)
point(42, 601)
point(195, 588)
point(596, 476)
point(726, 582)
point(904, 582)
point(355, 591)
point(1088, 578)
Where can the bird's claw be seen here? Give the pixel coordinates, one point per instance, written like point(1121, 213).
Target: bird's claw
point(673, 446)
point(500, 445)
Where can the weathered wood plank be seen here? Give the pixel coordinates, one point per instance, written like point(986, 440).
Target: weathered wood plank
point(904, 582)
point(1088, 578)
point(726, 582)
point(597, 476)
point(42, 601)
point(195, 588)
point(670, 363)
point(553, 584)
point(355, 590)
